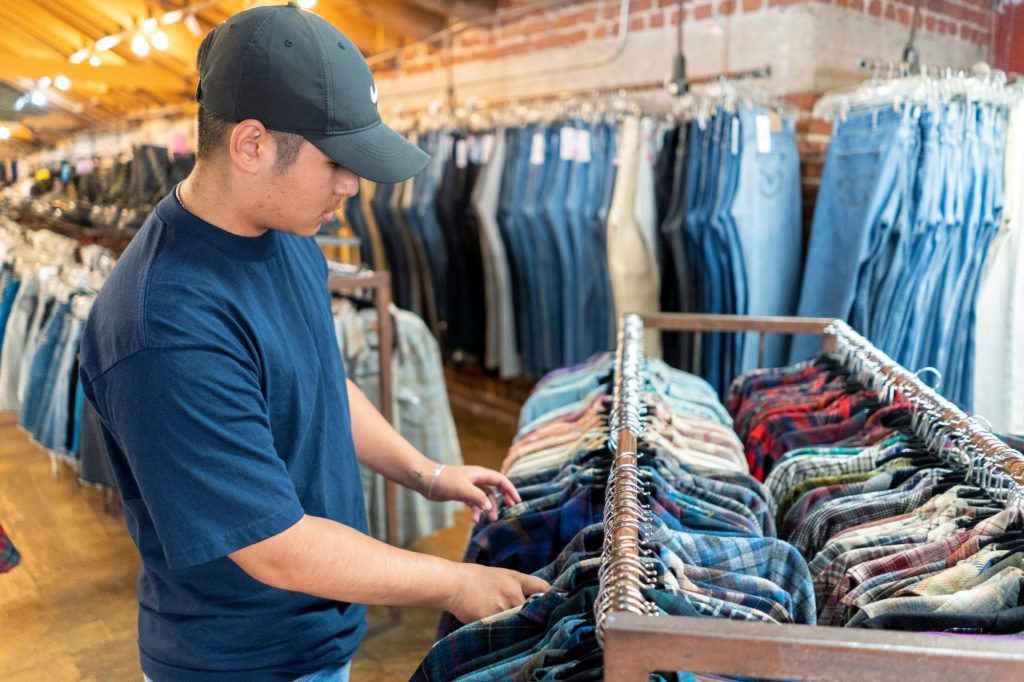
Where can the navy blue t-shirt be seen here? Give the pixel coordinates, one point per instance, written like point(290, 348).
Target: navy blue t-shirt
point(213, 363)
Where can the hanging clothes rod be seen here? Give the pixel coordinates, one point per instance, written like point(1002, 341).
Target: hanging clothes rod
point(623, 576)
point(942, 419)
point(583, 93)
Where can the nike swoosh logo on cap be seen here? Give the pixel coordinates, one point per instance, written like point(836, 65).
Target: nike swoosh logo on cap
point(373, 94)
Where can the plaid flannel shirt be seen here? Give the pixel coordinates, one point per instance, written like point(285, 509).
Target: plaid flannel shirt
point(789, 430)
point(9, 555)
point(761, 380)
point(768, 558)
point(746, 590)
point(999, 593)
point(954, 578)
point(842, 513)
point(814, 462)
point(889, 550)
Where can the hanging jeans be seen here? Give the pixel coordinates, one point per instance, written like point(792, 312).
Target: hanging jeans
point(22, 311)
point(856, 204)
point(766, 213)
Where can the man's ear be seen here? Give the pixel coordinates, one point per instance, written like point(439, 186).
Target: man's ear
point(251, 147)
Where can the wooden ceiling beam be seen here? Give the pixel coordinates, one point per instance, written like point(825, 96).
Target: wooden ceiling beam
point(41, 36)
point(122, 76)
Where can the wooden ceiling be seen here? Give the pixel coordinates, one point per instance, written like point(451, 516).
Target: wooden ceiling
point(38, 37)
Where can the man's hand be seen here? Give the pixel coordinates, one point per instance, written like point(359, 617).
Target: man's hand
point(484, 591)
point(473, 485)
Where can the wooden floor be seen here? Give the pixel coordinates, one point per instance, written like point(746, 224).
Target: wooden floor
point(67, 613)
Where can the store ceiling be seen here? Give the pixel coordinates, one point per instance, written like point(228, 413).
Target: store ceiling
point(39, 37)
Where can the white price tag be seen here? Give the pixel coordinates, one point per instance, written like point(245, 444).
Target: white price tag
point(537, 150)
point(487, 148)
point(583, 146)
point(567, 143)
point(764, 134)
point(474, 150)
point(461, 156)
point(735, 135)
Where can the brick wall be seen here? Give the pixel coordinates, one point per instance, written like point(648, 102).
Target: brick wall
point(566, 24)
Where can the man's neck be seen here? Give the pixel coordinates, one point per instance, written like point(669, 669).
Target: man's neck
point(211, 201)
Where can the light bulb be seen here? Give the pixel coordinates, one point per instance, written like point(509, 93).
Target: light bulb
point(160, 40)
point(307, 4)
point(107, 42)
point(192, 24)
point(62, 82)
point(79, 57)
point(45, 82)
point(95, 61)
point(5, 133)
point(20, 103)
point(172, 17)
point(140, 45)
point(149, 25)
point(38, 98)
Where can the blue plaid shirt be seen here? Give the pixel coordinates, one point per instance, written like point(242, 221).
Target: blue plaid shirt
point(768, 558)
point(9, 555)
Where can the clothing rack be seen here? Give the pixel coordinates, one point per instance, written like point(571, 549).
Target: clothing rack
point(636, 644)
point(380, 284)
point(621, 574)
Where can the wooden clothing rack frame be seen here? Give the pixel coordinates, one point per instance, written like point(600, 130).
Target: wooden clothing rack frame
point(380, 284)
point(636, 644)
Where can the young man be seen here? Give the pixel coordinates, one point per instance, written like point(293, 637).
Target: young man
point(211, 358)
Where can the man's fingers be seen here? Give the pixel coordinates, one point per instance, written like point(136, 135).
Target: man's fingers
point(494, 506)
point(489, 477)
point(533, 585)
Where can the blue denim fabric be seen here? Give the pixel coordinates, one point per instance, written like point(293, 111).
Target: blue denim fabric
point(553, 210)
point(42, 378)
point(767, 216)
point(578, 319)
point(22, 311)
point(10, 291)
point(865, 153)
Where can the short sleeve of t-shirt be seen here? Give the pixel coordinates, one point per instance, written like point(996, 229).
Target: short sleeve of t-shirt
point(194, 426)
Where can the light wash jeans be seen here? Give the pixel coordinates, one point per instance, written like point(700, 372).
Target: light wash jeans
point(325, 675)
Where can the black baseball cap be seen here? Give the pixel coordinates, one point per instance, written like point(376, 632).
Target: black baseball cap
point(296, 73)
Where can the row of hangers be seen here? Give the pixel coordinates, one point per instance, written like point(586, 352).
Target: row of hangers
point(893, 84)
point(595, 106)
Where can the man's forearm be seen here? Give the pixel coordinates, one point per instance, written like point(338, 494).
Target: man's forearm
point(380, 447)
point(330, 560)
